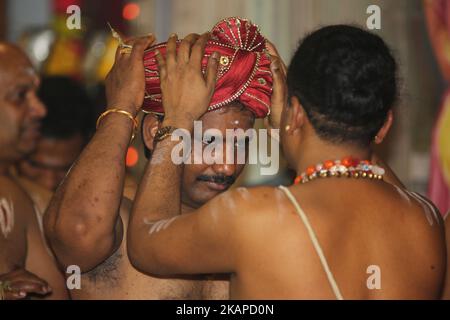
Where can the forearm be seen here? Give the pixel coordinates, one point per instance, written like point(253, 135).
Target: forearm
point(186, 94)
point(84, 211)
point(158, 198)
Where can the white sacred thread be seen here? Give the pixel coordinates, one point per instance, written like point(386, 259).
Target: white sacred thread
point(6, 216)
point(424, 200)
point(156, 226)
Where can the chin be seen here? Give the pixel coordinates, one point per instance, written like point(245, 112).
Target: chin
point(200, 197)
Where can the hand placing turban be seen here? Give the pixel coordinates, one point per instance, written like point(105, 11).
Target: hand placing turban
point(244, 69)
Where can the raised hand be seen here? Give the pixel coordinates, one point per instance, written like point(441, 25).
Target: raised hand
point(186, 92)
point(125, 82)
point(279, 94)
point(20, 283)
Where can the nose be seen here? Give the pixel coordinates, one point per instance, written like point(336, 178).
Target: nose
point(37, 108)
point(228, 167)
point(225, 169)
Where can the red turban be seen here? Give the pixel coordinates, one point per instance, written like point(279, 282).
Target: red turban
point(244, 69)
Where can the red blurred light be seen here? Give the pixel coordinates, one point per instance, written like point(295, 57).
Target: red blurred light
point(132, 157)
point(131, 11)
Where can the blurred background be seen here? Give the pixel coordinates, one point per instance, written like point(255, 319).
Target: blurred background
point(416, 30)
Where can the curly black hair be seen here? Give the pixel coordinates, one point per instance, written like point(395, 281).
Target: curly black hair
point(345, 78)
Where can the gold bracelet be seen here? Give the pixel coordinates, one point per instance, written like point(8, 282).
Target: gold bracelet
point(126, 113)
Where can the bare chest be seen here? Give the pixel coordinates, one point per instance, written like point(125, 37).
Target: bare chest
point(117, 279)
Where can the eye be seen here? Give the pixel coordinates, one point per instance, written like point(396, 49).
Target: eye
point(242, 142)
point(208, 140)
point(20, 96)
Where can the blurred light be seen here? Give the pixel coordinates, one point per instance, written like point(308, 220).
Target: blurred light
point(42, 45)
point(131, 11)
point(98, 48)
point(132, 157)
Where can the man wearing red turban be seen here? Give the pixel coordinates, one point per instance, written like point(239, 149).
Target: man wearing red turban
point(85, 222)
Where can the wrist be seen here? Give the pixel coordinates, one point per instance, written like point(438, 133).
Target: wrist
point(186, 123)
point(274, 122)
point(123, 106)
point(113, 115)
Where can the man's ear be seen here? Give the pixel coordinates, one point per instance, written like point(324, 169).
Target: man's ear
point(385, 128)
point(296, 115)
point(149, 128)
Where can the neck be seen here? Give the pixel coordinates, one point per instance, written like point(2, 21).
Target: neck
point(319, 151)
point(185, 208)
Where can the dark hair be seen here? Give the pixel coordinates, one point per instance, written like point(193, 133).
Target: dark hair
point(69, 109)
point(345, 78)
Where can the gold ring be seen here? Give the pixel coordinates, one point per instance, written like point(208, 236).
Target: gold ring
point(125, 50)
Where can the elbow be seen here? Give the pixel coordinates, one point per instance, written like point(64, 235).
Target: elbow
point(140, 253)
point(77, 242)
point(135, 253)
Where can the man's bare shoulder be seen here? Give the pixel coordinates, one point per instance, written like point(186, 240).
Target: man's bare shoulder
point(248, 201)
point(240, 206)
point(420, 210)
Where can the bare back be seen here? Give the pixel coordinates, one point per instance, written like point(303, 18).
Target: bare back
point(378, 241)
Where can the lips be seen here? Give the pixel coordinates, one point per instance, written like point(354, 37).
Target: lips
point(217, 186)
point(33, 131)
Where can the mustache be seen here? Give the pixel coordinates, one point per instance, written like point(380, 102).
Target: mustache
point(220, 179)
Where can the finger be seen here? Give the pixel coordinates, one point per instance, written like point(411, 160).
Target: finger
point(162, 68)
point(279, 81)
point(122, 52)
point(120, 39)
point(277, 61)
point(266, 123)
point(28, 278)
point(15, 295)
point(272, 50)
point(140, 45)
point(23, 275)
point(198, 50)
point(184, 50)
point(211, 70)
point(171, 52)
point(119, 56)
point(30, 287)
